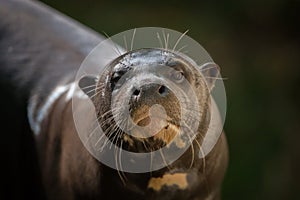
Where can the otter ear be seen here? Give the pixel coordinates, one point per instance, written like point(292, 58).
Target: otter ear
point(88, 85)
point(211, 72)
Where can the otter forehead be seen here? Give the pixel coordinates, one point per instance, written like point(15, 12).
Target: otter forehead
point(147, 58)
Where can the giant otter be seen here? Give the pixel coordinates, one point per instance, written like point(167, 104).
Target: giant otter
point(41, 52)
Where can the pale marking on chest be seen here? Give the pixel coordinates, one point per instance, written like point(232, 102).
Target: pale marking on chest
point(176, 179)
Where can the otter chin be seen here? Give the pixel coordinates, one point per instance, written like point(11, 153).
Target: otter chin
point(151, 98)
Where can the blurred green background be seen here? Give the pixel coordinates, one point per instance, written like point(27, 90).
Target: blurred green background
point(257, 45)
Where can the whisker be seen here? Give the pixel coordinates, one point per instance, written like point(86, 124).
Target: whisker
point(120, 160)
point(117, 165)
point(217, 78)
point(151, 161)
point(179, 40)
point(94, 130)
point(159, 39)
point(200, 148)
point(93, 85)
point(125, 42)
point(204, 69)
point(203, 156)
point(164, 159)
point(115, 137)
point(96, 93)
point(181, 48)
point(114, 44)
point(89, 91)
point(99, 139)
point(167, 42)
point(107, 139)
point(145, 146)
point(100, 86)
point(132, 39)
point(193, 151)
point(109, 111)
point(108, 135)
point(204, 168)
point(90, 135)
point(203, 163)
point(164, 36)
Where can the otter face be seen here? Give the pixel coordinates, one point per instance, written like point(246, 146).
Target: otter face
point(143, 96)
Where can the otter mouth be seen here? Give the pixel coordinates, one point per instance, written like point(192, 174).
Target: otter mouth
point(167, 130)
point(157, 120)
point(146, 121)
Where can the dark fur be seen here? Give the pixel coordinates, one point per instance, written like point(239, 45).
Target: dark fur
point(37, 53)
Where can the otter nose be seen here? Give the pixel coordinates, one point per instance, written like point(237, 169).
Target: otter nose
point(163, 90)
point(151, 90)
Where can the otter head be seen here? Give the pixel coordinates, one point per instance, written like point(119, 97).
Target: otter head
point(150, 98)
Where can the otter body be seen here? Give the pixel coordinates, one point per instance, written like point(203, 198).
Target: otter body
point(41, 52)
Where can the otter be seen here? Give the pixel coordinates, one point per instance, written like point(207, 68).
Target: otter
point(139, 77)
point(40, 62)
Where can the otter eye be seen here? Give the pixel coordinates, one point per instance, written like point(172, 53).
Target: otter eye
point(115, 80)
point(177, 75)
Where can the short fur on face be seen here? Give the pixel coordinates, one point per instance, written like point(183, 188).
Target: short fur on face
point(146, 65)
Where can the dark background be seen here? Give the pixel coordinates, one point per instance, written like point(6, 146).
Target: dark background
point(256, 44)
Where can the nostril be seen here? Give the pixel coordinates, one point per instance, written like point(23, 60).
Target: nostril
point(136, 92)
point(162, 90)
